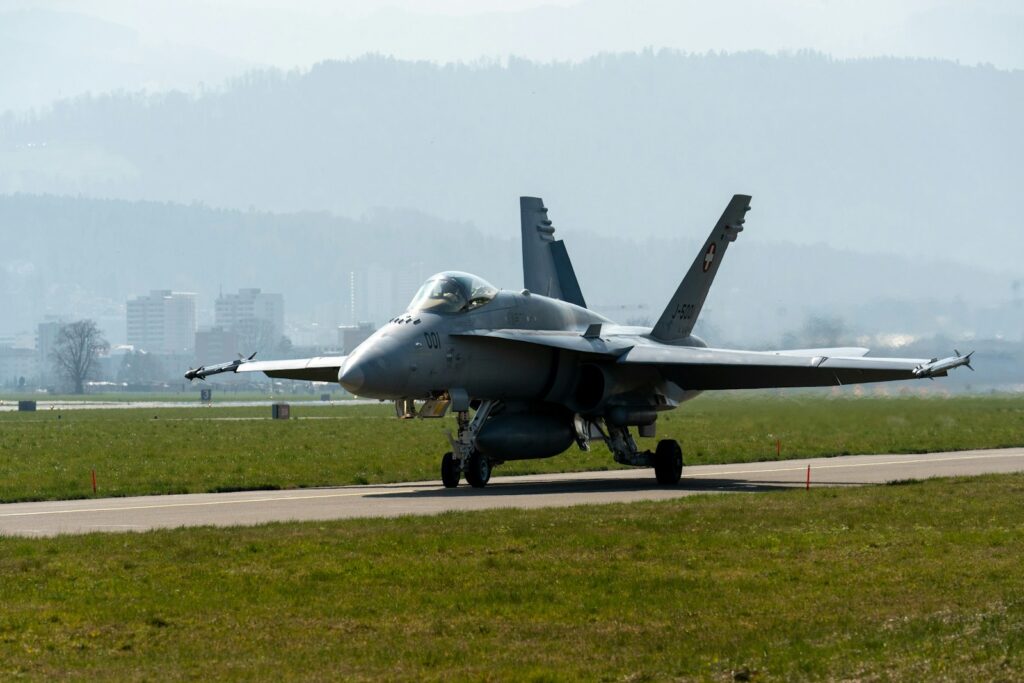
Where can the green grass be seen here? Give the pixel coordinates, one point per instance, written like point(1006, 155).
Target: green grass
point(913, 582)
point(49, 455)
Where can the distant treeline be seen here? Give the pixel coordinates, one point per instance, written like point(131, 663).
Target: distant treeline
point(64, 251)
point(896, 155)
point(86, 257)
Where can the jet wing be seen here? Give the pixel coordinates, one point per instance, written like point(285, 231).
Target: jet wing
point(567, 340)
point(317, 369)
point(706, 368)
point(833, 352)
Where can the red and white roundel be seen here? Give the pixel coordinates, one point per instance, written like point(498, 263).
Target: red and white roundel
point(709, 257)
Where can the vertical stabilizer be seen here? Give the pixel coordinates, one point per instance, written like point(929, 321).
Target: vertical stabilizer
point(681, 313)
point(547, 269)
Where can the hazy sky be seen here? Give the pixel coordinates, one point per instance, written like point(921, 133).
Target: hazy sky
point(52, 49)
point(182, 42)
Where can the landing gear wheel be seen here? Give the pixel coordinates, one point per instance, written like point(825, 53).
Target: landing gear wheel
point(450, 471)
point(478, 470)
point(668, 462)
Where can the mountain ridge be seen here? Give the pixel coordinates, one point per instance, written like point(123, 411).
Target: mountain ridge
point(905, 155)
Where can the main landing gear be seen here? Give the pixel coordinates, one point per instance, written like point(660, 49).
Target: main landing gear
point(668, 462)
point(667, 459)
point(464, 458)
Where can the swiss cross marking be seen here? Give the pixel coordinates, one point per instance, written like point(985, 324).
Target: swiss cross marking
point(709, 257)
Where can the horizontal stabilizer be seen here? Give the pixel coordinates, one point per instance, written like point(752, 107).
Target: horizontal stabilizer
point(566, 275)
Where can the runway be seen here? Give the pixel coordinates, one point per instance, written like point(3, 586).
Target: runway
point(425, 498)
point(9, 406)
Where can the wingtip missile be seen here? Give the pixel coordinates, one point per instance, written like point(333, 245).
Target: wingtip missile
point(967, 359)
point(203, 371)
point(942, 366)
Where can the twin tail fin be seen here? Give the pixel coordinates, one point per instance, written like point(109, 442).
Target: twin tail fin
point(683, 309)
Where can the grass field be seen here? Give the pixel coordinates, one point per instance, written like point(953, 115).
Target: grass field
point(919, 581)
point(49, 455)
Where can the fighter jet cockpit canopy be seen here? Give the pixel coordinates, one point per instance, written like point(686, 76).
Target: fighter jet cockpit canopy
point(453, 292)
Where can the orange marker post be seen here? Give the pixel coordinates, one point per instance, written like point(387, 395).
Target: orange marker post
point(808, 477)
point(94, 481)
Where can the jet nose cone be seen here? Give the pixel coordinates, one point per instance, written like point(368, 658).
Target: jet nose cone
point(374, 370)
point(352, 376)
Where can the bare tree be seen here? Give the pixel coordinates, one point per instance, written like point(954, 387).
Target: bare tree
point(78, 346)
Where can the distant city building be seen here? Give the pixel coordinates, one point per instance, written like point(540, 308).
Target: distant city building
point(407, 282)
point(18, 367)
point(46, 336)
point(46, 339)
point(257, 317)
point(162, 322)
point(370, 294)
point(313, 334)
point(216, 345)
point(351, 336)
point(380, 293)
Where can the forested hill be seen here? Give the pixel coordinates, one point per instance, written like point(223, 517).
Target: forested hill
point(66, 255)
point(903, 156)
point(85, 258)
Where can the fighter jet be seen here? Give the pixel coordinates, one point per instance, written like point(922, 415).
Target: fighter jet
point(530, 372)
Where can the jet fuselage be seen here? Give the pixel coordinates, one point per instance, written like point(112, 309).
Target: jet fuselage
point(419, 354)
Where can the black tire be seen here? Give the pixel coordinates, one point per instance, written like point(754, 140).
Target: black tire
point(478, 470)
point(450, 471)
point(668, 462)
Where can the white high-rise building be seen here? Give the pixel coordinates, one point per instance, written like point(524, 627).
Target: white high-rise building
point(256, 316)
point(162, 322)
point(47, 334)
point(379, 293)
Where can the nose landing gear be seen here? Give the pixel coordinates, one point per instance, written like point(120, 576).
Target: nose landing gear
point(464, 458)
point(478, 470)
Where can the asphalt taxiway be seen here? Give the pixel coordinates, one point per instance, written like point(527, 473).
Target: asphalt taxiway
point(425, 498)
